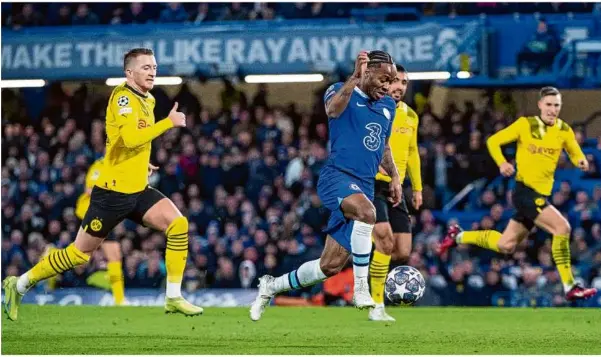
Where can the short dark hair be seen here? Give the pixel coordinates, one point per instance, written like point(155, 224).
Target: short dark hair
point(400, 68)
point(135, 52)
point(545, 91)
point(378, 57)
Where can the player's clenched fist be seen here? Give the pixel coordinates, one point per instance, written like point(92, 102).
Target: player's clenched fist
point(360, 64)
point(583, 165)
point(178, 118)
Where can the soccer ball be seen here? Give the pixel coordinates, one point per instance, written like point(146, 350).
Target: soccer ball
point(404, 285)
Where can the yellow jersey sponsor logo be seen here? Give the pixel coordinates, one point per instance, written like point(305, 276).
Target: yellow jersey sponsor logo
point(533, 149)
point(403, 130)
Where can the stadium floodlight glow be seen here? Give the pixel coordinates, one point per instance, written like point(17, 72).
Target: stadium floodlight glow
point(22, 83)
point(158, 81)
point(283, 78)
point(463, 74)
point(428, 76)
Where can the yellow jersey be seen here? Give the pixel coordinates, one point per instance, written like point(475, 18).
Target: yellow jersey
point(130, 129)
point(83, 202)
point(403, 144)
point(538, 149)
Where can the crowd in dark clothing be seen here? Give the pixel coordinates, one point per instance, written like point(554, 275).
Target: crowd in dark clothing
point(22, 15)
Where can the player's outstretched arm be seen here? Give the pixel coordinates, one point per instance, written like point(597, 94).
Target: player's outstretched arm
point(134, 136)
point(505, 136)
point(336, 104)
point(575, 151)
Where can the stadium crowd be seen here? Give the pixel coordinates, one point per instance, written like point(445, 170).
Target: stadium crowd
point(245, 177)
point(19, 16)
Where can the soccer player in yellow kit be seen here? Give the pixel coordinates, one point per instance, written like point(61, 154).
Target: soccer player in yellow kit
point(541, 140)
point(122, 191)
point(392, 232)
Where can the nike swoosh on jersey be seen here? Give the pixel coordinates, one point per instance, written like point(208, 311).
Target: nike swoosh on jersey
point(386, 113)
point(360, 105)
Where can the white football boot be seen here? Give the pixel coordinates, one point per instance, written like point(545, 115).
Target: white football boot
point(379, 314)
point(263, 298)
point(362, 298)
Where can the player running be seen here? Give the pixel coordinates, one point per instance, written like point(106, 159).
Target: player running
point(121, 191)
point(360, 119)
point(392, 232)
point(541, 140)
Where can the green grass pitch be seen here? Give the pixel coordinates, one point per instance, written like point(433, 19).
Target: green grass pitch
point(146, 330)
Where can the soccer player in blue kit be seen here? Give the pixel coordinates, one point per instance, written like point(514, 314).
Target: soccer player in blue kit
point(360, 119)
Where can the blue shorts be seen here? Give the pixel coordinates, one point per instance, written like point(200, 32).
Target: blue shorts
point(333, 187)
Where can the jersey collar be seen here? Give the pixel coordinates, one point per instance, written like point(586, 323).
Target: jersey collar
point(361, 93)
point(135, 91)
point(545, 125)
point(402, 105)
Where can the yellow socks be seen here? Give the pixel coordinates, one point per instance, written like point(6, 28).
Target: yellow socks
point(57, 262)
point(560, 249)
point(176, 255)
point(484, 239)
point(115, 272)
point(378, 269)
point(52, 280)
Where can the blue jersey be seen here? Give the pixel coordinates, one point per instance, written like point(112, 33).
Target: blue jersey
point(359, 135)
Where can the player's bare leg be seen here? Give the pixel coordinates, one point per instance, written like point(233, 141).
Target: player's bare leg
point(402, 247)
point(165, 217)
point(333, 258)
point(551, 220)
point(56, 262)
point(514, 234)
point(112, 252)
point(378, 269)
point(358, 208)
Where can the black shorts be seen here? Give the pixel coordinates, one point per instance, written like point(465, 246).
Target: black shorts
point(109, 208)
point(398, 216)
point(528, 204)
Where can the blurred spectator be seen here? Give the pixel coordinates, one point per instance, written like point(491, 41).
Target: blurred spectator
point(540, 50)
point(117, 16)
point(135, 14)
point(201, 14)
point(83, 16)
point(234, 12)
point(262, 11)
point(231, 95)
point(27, 18)
point(63, 18)
point(174, 12)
